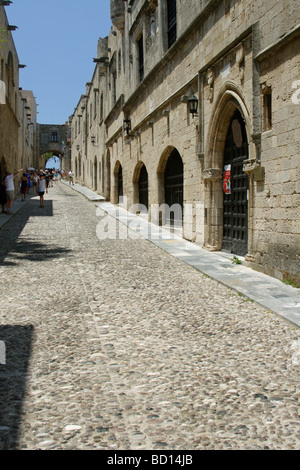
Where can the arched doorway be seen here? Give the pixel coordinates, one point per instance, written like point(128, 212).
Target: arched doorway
point(95, 174)
point(143, 188)
point(102, 174)
point(173, 186)
point(120, 185)
point(235, 187)
point(228, 146)
point(79, 166)
point(2, 168)
point(108, 177)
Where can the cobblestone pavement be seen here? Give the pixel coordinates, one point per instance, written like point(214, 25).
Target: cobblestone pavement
point(115, 344)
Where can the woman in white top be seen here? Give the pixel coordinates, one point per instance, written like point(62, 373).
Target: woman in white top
point(35, 182)
point(10, 188)
point(41, 189)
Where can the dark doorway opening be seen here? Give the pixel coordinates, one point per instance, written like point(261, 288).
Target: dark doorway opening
point(174, 189)
point(143, 189)
point(235, 185)
point(120, 185)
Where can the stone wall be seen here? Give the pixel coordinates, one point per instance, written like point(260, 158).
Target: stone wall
point(9, 109)
point(277, 201)
point(17, 108)
point(234, 55)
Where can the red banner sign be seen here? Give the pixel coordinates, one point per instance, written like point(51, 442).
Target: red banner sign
point(227, 177)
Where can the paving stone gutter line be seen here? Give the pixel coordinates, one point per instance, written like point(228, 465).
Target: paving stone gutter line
point(281, 299)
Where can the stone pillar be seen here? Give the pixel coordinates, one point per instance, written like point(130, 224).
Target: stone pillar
point(255, 173)
point(156, 199)
point(213, 210)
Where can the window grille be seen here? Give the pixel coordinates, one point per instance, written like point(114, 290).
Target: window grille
point(172, 22)
point(141, 58)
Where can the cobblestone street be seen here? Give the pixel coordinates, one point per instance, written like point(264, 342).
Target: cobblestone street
point(116, 345)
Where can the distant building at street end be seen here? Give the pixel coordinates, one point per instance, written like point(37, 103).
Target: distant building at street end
point(52, 139)
point(23, 142)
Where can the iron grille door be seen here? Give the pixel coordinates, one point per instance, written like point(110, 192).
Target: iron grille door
point(235, 218)
point(143, 187)
point(174, 189)
point(120, 185)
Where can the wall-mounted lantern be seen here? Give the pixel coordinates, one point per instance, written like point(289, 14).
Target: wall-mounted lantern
point(193, 105)
point(93, 141)
point(127, 126)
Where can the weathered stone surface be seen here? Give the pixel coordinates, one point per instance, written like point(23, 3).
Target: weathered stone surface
point(113, 344)
point(238, 55)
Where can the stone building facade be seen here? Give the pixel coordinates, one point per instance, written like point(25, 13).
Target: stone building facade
point(28, 130)
point(18, 132)
point(231, 172)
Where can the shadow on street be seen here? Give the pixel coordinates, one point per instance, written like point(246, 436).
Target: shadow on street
point(17, 340)
point(13, 250)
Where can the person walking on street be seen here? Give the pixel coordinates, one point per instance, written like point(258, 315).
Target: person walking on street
point(28, 175)
point(41, 189)
point(35, 182)
point(10, 189)
point(71, 177)
point(47, 179)
point(24, 183)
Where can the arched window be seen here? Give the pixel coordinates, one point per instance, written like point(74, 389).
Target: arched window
point(172, 22)
point(101, 107)
point(10, 78)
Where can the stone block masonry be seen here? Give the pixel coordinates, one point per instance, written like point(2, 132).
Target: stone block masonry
point(240, 59)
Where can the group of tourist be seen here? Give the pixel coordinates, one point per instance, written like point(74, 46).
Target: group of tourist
point(40, 181)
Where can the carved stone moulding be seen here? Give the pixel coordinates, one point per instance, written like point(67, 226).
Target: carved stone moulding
point(250, 164)
point(212, 174)
point(117, 13)
point(253, 166)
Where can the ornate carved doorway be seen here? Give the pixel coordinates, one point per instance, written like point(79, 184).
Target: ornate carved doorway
point(235, 186)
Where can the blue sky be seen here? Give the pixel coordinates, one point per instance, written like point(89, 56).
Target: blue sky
point(57, 40)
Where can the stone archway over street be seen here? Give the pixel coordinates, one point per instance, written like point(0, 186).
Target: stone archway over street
point(52, 139)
